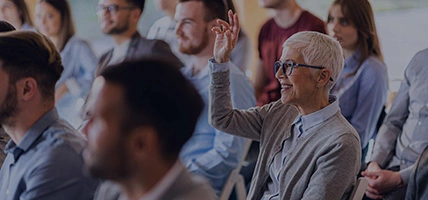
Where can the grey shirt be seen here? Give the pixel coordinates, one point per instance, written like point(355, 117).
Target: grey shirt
point(403, 135)
point(323, 165)
point(46, 164)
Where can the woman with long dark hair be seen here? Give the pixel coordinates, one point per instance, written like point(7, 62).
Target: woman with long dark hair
point(16, 13)
point(363, 84)
point(53, 19)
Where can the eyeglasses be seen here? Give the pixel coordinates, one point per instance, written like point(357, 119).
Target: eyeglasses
point(288, 66)
point(112, 9)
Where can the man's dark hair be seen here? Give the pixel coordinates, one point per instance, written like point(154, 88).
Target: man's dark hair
point(6, 27)
point(158, 95)
point(28, 54)
point(214, 9)
point(138, 3)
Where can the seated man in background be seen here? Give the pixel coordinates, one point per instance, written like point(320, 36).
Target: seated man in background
point(209, 152)
point(308, 150)
point(144, 113)
point(44, 155)
point(164, 29)
point(403, 136)
point(119, 19)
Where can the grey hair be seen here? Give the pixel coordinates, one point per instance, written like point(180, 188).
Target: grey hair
point(319, 50)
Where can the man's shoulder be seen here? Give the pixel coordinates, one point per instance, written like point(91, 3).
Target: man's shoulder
point(61, 135)
point(308, 15)
point(143, 42)
point(268, 24)
point(421, 55)
point(144, 47)
point(310, 22)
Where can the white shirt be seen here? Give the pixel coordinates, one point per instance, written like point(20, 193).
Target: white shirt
point(119, 52)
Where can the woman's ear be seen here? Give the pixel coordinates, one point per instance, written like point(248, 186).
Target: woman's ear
point(324, 77)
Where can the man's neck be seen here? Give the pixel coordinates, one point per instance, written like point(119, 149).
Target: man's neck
point(23, 122)
point(200, 60)
point(287, 15)
point(120, 38)
point(199, 63)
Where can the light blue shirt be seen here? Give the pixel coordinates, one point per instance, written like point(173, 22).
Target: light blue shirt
point(46, 164)
point(79, 64)
point(404, 134)
point(301, 127)
point(362, 96)
point(211, 153)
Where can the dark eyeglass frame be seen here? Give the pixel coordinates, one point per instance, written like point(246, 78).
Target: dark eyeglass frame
point(292, 65)
point(114, 8)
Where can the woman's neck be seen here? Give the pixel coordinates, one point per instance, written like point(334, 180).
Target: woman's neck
point(55, 40)
point(348, 53)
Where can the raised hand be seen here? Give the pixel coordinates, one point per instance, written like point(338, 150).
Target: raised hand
point(226, 37)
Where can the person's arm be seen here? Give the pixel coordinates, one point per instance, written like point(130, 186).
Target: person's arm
point(372, 93)
point(153, 31)
point(388, 133)
point(88, 64)
point(59, 176)
point(222, 116)
point(218, 162)
point(81, 81)
point(336, 169)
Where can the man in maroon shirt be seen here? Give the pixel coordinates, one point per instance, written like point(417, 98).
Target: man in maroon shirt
point(289, 18)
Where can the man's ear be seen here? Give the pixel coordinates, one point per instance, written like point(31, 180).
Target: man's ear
point(27, 88)
point(324, 77)
point(143, 141)
point(136, 14)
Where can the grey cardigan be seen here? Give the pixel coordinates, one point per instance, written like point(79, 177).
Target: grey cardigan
point(323, 165)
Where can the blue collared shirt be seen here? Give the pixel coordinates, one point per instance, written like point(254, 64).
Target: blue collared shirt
point(209, 152)
point(46, 164)
point(301, 128)
point(403, 136)
point(362, 96)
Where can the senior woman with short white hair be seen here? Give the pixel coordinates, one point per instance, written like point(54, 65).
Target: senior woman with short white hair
point(308, 150)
